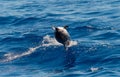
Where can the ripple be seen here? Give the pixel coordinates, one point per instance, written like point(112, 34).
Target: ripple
point(28, 20)
point(28, 45)
point(107, 36)
point(7, 20)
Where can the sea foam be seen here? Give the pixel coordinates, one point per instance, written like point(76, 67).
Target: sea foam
point(47, 41)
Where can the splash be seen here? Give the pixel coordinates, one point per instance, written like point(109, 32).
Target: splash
point(72, 43)
point(47, 41)
point(93, 69)
point(11, 56)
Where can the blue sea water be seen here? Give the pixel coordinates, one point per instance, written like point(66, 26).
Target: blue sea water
point(28, 47)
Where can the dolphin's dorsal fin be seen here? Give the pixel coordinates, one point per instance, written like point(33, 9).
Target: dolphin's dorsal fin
point(66, 26)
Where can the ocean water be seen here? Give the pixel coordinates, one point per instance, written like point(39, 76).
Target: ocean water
point(28, 47)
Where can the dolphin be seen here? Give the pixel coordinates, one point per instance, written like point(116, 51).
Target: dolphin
point(62, 35)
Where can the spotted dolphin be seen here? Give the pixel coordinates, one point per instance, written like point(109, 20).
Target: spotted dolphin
point(62, 36)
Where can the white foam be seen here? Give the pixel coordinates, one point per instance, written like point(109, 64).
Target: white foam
point(72, 43)
point(11, 56)
point(93, 69)
point(47, 41)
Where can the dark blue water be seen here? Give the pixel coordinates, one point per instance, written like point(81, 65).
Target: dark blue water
point(28, 47)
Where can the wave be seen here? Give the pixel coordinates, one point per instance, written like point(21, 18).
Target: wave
point(7, 19)
point(111, 35)
point(19, 20)
point(11, 56)
point(46, 42)
point(26, 20)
